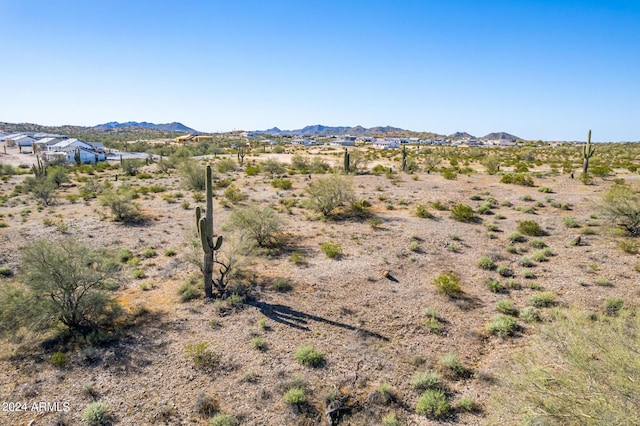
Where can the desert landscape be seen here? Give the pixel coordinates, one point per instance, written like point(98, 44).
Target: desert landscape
point(411, 301)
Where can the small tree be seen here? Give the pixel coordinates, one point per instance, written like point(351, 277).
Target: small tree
point(272, 167)
point(43, 189)
point(121, 204)
point(260, 224)
point(328, 193)
point(65, 283)
point(193, 174)
point(621, 205)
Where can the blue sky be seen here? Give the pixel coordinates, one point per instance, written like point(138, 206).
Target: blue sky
point(538, 69)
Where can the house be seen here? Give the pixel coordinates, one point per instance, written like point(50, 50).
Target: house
point(20, 140)
point(66, 150)
point(303, 142)
point(385, 144)
point(343, 142)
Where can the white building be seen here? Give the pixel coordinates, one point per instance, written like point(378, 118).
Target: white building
point(67, 149)
point(385, 144)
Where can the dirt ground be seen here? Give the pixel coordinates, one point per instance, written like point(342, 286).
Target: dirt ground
point(369, 327)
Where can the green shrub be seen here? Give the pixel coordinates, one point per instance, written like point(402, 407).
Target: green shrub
point(613, 305)
point(621, 205)
point(451, 363)
point(295, 396)
point(426, 380)
point(530, 314)
point(505, 271)
point(516, 237)
point(530, 228)
point(297, 258)
point(252, 170)
point(423, 212)
point(6, 271)
point(282, 285)
point(570, 222)
point(223, 419)
point(170, 252)
point(449, 174)
point(189, 290)
point(309, 356)
point(539, 244)
point(96, 414)
point(463, 213)
point(448, 284)
point(332, 250)
point(225, 165)
point(326, 194)
point(495, 286)
point(201, 355)
point(545, 189)
point(138, 274)
point(542, 300)
point(258, 343)
point(506, 307)
point(629, 246)
point(257, 223)
point(526, 262)
point(433, 403)
point(124, 255)
point(502, 325)
point(517, 179)
point(603, 282)
point(59, 359)
point(281, 183)
point(467, 404)
point(149, 253)
point(486, 263)
point(439, 205)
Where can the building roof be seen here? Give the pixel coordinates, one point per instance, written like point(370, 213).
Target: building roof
point(67, 142)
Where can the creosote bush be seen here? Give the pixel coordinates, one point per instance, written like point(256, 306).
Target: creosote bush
point(463, 213)
point(530, 228)
point(448, 284)
point(309, 356)
point(433, 403)
point(96, 414)
point(332, 250)
point(502, 325)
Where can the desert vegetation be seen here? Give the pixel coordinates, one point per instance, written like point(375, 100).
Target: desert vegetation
point(304, 286)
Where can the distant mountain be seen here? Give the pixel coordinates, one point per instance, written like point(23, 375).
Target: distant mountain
point(168, 127)
point(502, 135)
point(320, 130)
point(461, 135)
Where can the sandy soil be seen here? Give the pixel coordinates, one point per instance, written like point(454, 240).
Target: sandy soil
point(370, 328)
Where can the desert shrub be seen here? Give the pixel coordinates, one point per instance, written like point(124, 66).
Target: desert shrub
point(539, 244)
point(570, 222)
point(530, 228)
point(502, 325)
point(621, 205)
point(491, 164)
point(439, 205)
point(124, 255)
point(603, 282)
point(233, 194)
point(96, 414)
point(426, 380)
point(295, 396)
point(121, 204)
point(575, 355)
point(486, 263)
point(42, 189)
point(517, 179)
point(309, 356)
point(59, 359)
point(282, 285)
point(6, 271)
point(170, 252)
point(545, 189)
point(252, 170)
point(375, 222)
point(149, 253)
point(463, 213)
point(391, 419)
point(495, 286)
point(505, 271)
point(281, 183)
point(328, 193)
point(138, 274)
point(467, 404)
point(297, 258)
point(223, 419)
point(530, 314)
point(542, 300)
point(189, 290)
point(506, 307)
point(449, 174)
point(613, 305)
point(201, 355)
point(259, 224)
point(193, 174)
point(273, 167)
point(332, 250)
point(423, 212)
point(448, 284)
point(258, 343)
point(225, 165)
point(629, 246)
point(451, 364)
point(299, 163)
point(65, 283)
point(433, 403)
point(526, 262)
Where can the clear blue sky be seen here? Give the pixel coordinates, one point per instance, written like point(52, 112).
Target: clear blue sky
point(538, 69)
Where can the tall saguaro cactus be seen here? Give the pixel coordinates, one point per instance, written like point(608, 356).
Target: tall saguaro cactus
point(404, 158)
point(346, 161)
point(207, 239)
point(241, 154)
point(587, 153)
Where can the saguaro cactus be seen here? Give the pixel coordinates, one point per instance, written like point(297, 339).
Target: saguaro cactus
point(587, 152)
point(404, 158)
point(76, 156)
point(207, 238)
point(241, 154)
point(40, 170)
point(346, 161)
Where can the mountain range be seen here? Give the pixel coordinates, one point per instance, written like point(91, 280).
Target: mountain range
point(169, 127)
point(320, 130)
